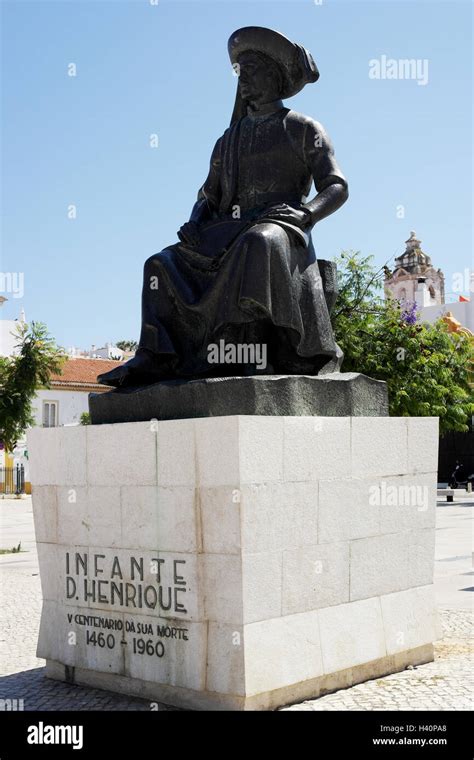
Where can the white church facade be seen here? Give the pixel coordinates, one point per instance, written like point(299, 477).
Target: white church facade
point(415, 279)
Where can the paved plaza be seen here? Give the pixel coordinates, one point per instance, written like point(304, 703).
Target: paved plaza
point(445, 684)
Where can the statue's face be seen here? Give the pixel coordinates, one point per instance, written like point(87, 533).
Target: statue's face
point(256, 80)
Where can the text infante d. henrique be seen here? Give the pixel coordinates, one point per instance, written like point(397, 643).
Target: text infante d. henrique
point(156, 584)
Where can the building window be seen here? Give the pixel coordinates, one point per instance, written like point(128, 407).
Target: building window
point(432, 293)
point(50, 413)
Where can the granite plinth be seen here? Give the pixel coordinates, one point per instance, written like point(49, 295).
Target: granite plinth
point(235, 562)
point(342, 394)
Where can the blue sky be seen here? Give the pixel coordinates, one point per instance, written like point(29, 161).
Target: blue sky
point(162, 68)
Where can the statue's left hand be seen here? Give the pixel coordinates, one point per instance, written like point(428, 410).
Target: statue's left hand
point(300, 217)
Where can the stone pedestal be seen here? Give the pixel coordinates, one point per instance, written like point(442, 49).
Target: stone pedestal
point(239, 562)
point(342, 394)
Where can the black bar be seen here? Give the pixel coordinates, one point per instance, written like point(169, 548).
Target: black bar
point(152, 733)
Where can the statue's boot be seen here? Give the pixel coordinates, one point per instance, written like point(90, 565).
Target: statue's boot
point(142, 369)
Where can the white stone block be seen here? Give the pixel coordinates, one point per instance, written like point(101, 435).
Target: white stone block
point(345, 510)
point(73, 515)
point(378, 565)
point(161, 654)
point(49, 566)
point(139, 517)
point(260, 449)
point(282, 652)
point(240, 590)
point(379, 446)
point(144, 582)
point(351, 634)
point(45, 513)
point(72, 456)
point(261, 586)
point(423, 442)
point(74, 566)
point(182, 572)
point(220, 519)
point(277, 516)
point(407, 502)
point(160, 518)
point(176, 453)
point(49, 634)
point(43, 452)
point(315, 577)
point(103, 517)
point(421, 557)
point(222, 588)
point(225, 659)
point(409, 618)
point(217, 451)
point(179, 529)
point(316, 448)
point(57, 456)
point(90, 645)
point(122, 454)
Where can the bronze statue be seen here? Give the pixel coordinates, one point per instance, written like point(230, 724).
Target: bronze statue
point(245, 270)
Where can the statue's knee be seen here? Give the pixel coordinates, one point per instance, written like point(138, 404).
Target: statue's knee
point(254, 236)
point(276, 234)
point(266, 237)
point(268, 232)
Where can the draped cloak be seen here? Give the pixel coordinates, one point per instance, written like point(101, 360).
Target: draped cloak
point(246, 271)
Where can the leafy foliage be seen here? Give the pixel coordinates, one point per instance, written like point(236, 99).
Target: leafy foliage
point(427, 368)
point(127, 345)
point(22, 375)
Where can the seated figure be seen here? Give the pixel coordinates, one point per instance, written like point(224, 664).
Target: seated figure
point(244, 270)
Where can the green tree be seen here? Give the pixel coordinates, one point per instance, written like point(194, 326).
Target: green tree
point(426, 367)
point(22, 375)
point(127, 345)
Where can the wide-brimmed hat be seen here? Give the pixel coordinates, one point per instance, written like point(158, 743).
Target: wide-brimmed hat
point(296, 63)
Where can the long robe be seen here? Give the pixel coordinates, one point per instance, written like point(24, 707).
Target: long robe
point(248, 279)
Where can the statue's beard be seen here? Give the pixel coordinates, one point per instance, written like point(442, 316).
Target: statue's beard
point(255, 101)
point(252, 102)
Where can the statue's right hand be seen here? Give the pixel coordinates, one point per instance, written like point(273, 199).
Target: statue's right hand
point(189, 234)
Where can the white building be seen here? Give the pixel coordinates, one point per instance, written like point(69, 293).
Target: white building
point(109, 351)
point(414, 279)
point(462, 310)
point(67, 398)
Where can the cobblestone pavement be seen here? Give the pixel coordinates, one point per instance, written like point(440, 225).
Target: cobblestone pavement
point(445, 684)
